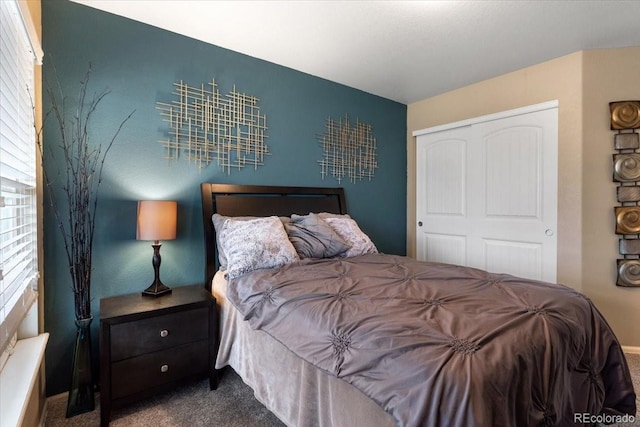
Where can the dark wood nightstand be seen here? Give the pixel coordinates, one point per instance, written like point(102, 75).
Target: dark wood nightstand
point(149, 345)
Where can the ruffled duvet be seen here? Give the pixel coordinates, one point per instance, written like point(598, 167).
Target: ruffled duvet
point(443, 345)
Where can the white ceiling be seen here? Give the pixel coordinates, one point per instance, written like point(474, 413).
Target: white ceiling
point(402, 50)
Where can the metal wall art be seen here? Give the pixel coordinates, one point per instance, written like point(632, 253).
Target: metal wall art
point(625, 117)
point(206, 127)
point(627, 219)
point(628, 272)
point(626, 167)
point(347, 151)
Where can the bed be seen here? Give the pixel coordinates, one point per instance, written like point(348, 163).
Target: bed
point(384, 340)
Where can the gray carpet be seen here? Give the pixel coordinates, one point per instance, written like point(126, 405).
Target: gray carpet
point(232, 405)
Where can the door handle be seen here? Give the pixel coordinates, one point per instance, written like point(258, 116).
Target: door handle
point(419, 223)
point(548, 232)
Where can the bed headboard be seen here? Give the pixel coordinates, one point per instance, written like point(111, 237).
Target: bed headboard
point(258, 200)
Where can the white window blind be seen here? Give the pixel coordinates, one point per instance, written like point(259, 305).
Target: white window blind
point(18, 219)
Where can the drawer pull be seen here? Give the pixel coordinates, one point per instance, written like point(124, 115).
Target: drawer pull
point(164, 368)
point(164, 333)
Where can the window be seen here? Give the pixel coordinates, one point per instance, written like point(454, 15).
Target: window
point(18, 219)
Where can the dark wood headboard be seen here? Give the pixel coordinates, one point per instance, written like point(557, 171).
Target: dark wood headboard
point(258, 200)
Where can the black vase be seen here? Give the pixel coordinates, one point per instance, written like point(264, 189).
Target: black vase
point(81, 393)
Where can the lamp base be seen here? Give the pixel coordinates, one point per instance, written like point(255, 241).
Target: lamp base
point(156, 289)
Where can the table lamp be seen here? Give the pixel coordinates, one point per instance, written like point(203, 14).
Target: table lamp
point(156, 221)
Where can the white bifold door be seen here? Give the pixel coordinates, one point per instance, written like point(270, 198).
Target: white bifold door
point(487, 193)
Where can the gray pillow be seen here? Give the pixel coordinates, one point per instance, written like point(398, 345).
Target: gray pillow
point(314, 238)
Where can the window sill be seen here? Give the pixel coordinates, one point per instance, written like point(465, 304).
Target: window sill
point(18, 378)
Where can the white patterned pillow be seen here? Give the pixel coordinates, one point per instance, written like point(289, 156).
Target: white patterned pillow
point(348, 229)
point(218, 222)
point(255, 244)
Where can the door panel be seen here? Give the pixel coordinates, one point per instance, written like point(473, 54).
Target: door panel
point(445, 177)
point(517, 258)
point(442, 172)
point(449, 249)
point(512, 174)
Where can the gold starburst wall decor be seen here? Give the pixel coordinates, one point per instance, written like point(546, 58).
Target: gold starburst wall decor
point(348, 150)
point(205, 126)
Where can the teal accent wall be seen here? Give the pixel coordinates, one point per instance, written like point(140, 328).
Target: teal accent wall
point(139, 64)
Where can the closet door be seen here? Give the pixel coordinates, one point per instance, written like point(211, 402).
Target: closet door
point(487, 195)
point(442, 200)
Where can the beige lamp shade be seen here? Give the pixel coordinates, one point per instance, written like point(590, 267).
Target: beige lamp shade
point(157, 220)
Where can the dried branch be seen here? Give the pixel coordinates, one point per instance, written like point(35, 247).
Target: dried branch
point(80, 182)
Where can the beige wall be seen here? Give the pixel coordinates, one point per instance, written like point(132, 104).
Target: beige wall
point(583, 83)
point(609, 75)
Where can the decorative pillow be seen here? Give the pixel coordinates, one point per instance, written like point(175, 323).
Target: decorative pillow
point(314, 238)
point(254, 244)
point(218, 222)
point(325, 215)
point(348, 229)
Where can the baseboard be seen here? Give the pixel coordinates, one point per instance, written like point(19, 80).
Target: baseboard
point(631, 349)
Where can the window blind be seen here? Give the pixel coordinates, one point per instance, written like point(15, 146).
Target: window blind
point(18, 219)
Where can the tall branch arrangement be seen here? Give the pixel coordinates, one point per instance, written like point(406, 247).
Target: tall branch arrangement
point(79, 175)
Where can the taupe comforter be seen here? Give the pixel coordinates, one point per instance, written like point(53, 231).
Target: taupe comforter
point(442, 345)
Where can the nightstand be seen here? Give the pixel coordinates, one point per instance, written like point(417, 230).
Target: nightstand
point(150, 345)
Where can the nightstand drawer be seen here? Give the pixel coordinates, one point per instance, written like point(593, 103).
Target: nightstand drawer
point(150, 370)
point(134, 338)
